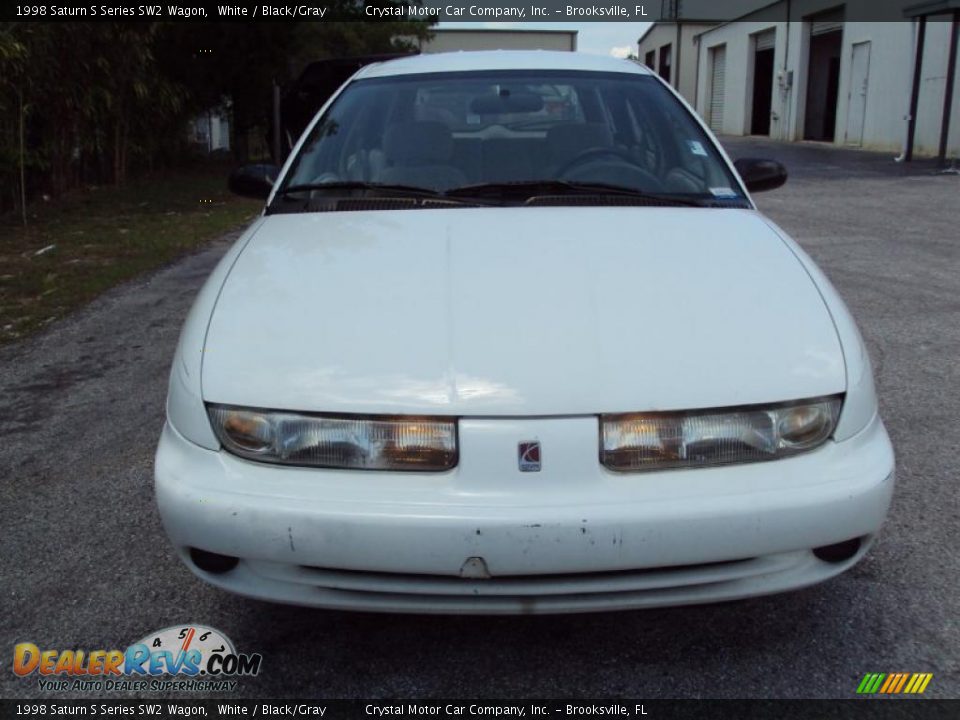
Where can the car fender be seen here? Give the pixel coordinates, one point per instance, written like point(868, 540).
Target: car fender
point(185, 408)
point(860, 403)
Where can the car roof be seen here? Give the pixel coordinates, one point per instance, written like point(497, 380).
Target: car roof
point(463, 61)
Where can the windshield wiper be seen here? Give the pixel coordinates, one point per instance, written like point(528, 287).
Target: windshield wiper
point(530, 189)
point(405, 190)
point(288, 200)
point(519, 191)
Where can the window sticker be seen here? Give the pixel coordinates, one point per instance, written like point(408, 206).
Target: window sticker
point(696, 147)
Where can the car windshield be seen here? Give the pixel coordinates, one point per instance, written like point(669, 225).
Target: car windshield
point(456, 133)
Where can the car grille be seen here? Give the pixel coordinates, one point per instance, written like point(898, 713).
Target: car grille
point(646, 580)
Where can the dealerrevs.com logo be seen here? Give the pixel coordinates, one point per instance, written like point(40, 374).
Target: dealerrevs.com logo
point(183, 657)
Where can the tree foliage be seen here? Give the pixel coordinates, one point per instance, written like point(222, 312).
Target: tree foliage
point(101, 101)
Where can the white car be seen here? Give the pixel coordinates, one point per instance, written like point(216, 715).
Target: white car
point(512, 337)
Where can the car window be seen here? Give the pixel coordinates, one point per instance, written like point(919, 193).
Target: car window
point(444, 131)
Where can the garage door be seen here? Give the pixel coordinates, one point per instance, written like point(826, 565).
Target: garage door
point(822, 27)
point(718, 72)
point(766, 40)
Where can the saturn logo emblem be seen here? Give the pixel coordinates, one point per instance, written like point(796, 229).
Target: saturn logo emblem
point(528, 456)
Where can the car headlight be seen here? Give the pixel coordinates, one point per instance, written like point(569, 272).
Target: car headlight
point(350, 442)
point(656, 441)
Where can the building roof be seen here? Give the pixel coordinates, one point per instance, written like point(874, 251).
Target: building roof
point(513, 31)
point(674, 23)
point(932, 7)
point(646, 32)
point(500, 60)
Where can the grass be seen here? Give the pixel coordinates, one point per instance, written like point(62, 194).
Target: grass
point(78, 246)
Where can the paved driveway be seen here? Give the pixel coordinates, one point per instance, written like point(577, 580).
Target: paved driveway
point(84, 562)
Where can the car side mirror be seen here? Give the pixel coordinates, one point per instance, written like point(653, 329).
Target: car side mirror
point(759, 175)
point(255, 181)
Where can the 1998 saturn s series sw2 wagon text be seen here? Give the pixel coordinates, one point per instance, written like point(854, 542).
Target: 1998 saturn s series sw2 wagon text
point(511, 336)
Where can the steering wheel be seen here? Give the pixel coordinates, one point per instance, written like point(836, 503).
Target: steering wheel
point(592, 154)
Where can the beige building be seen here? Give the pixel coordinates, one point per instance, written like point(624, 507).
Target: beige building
point(811, 70)
point(453, 39)
point(669, 49)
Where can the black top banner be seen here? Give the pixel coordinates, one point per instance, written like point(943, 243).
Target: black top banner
point(514, 11)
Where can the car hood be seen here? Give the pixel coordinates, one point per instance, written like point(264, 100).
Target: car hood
point(529, 311)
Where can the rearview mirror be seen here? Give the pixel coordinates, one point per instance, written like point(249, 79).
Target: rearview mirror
point(759, 175)
point(255, 181)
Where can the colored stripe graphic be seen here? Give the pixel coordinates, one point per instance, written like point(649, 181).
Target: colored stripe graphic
point(894, 683)
point(901, 682)
point(870, 683)
point(891, 681)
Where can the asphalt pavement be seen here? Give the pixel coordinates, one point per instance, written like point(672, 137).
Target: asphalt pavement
point(84, 562)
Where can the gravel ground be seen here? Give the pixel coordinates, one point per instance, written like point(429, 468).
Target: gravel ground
point(85, 563)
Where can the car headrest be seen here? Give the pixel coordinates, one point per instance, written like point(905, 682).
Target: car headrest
point(418, 143)
point(504, 102)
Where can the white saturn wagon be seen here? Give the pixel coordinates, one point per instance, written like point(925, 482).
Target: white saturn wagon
point(511, 336)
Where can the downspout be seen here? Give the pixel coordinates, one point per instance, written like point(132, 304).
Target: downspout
point(678, 54)
point(948, 92)
point(906, 118)
point(696, 77)
point(915, 88)
point(788, 89)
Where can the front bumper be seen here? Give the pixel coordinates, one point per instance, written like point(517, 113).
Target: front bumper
point(487, 538)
